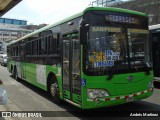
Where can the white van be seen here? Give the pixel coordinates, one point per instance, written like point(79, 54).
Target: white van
point(3, 59)
point(3, 94)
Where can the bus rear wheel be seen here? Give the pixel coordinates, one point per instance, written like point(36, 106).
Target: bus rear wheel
point(54, 91)
point(12, 73)
point(16, 74)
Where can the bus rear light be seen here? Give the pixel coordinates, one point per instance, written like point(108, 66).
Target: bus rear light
point(97, 93)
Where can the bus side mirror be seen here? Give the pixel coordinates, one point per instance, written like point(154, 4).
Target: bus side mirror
point(82, 22)
point(84, 28)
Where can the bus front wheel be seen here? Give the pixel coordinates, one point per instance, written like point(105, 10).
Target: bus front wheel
point(54, 91)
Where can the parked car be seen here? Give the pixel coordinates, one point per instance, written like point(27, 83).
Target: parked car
point(3, 94)
point(3, 59)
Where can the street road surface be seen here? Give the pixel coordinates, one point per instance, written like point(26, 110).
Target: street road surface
point(25, 97)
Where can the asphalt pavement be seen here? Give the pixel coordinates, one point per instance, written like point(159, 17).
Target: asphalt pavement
point(23, 96)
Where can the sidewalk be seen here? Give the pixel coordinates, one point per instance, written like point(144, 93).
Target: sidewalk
point(4, 108)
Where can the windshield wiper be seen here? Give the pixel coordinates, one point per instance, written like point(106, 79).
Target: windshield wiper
point(114, 69)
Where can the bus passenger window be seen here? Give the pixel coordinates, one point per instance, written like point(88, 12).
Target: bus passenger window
point(52, 44)
point(43, 46)
point(35, 47)
point(17, 53)
point(28, 48)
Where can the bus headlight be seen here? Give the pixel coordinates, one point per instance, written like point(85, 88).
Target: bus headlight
point(97, 93)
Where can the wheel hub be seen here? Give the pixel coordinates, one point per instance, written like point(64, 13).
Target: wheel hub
point(53, 89)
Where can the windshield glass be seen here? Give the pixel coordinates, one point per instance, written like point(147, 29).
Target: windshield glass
point(108, 48)
point(138, 47)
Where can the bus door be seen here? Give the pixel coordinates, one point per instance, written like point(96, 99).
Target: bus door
point(71, 68)
point(23, 66)
point(156, 54)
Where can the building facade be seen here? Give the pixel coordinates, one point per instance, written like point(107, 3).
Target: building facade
point(151, 7)
point(12, 32)
point(12, 21)
point(11, 29)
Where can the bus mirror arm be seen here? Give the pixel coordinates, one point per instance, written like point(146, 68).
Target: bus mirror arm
point(84, 28)
point(147, 71)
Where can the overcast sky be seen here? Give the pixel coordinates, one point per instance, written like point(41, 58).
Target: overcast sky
point(46, 11)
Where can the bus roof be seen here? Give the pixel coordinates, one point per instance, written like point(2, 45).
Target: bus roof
point(153, 27)
point(113, 9)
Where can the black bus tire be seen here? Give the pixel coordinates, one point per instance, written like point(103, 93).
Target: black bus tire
point(16, 74)
point(54, 91)
point(12, 73)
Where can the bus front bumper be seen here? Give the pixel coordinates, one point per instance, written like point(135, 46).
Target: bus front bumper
point(116, 100)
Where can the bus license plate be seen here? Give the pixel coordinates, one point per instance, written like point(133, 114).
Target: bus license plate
point(130, 99)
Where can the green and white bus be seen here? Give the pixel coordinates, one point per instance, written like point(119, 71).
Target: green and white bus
point(99, 57)
point(155, 36)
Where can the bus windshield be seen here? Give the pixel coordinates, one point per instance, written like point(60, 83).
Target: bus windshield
point(117, 48)
point(138, 46)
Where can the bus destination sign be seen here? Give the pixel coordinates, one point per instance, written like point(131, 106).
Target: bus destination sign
point(121, 19)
